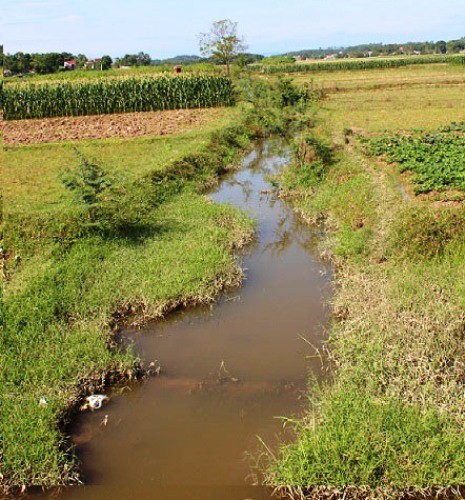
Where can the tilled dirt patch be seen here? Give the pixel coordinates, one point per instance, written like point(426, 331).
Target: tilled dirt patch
point(105, 126)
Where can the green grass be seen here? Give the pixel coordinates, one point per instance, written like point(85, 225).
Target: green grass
point(346, 194)
point(31, 174)
point(72, 282)
point(355, 439)
point(391, 417)
point(57, 332)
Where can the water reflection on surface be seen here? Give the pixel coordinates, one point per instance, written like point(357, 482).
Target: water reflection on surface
point(227, 370)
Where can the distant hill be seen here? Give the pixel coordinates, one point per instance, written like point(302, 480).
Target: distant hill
point(183, 59)
point(186, 59)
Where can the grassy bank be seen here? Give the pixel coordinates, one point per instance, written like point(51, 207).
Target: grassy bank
point(117, 231)
point(390, 420)
point(71, 279)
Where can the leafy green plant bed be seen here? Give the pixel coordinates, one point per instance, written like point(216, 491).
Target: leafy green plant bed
point(436, 159)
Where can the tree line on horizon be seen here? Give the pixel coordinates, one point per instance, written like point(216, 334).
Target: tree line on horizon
point(23, 63)
point(53, 62)
point(381, 49)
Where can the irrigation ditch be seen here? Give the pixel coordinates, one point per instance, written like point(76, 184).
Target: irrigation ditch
point(228, 371)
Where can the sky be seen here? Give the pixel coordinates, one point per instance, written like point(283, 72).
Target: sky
point(171, 27)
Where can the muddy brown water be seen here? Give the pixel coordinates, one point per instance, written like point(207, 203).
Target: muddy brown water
point(228, 371)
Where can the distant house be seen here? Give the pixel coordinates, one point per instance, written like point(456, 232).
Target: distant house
point(70, 65)
point(93, 64)
point(7, 72)
point(298, 58)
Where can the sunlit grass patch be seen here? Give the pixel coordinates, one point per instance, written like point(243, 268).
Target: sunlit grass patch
point(354, 438)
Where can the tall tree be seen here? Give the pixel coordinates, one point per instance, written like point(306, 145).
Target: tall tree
point(222, 43)
point(106, 62)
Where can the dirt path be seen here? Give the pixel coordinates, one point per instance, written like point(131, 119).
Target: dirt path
point(106, 126)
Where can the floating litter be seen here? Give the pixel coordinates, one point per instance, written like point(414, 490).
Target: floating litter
point(94, 402)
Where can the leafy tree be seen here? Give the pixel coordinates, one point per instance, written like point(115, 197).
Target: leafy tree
point(222, 43)
point(143, 59)
point(19, 63)
point(49, 62)
point(441, 46)
point(81, 59)
point(456, 46)
point(140, 59)
point(106, 62)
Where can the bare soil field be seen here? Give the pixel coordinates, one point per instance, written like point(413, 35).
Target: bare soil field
point(105, 126)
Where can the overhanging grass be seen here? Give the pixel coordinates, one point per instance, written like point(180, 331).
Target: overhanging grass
point(57, 330)
point(355, 439)
point(344, 200)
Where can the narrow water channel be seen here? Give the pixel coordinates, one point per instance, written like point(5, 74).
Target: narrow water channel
point(227, 371)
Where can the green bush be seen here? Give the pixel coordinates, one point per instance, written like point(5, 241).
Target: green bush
point(104, 203)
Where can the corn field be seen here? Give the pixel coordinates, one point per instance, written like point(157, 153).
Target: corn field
point(347, 65)
point(458, 60)
point(114, 96)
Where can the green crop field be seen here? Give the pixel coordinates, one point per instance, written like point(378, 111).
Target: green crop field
point(436, 158)
point(132, 72)
point(75, 98)
point(354, 64)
